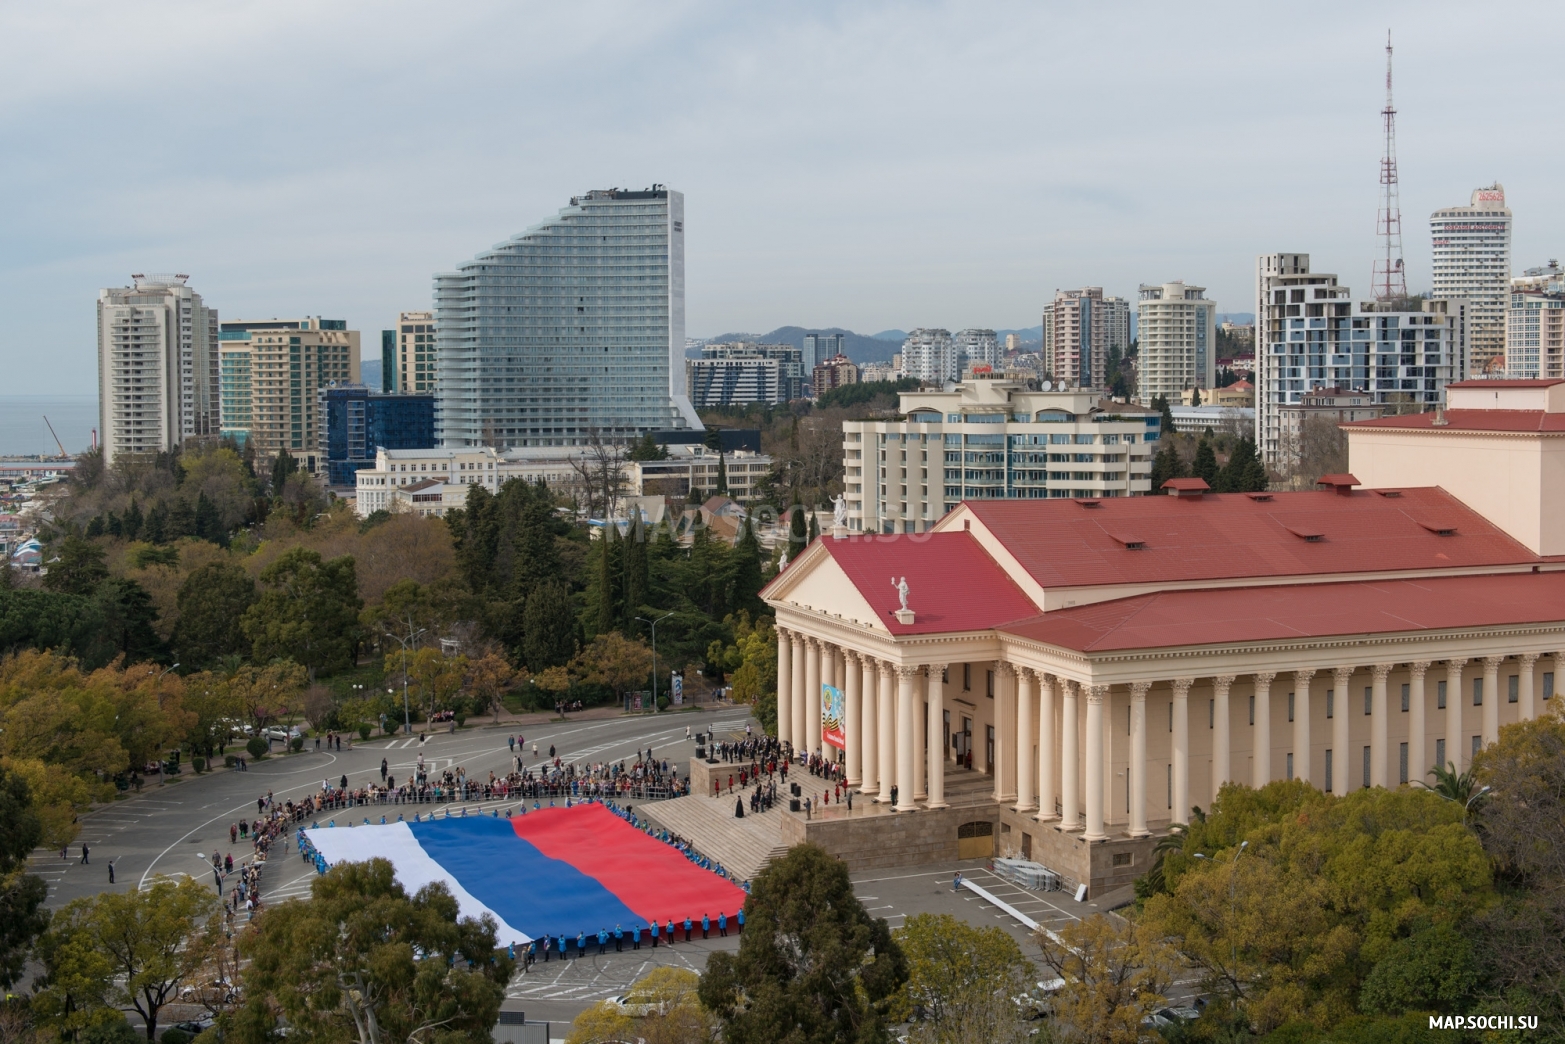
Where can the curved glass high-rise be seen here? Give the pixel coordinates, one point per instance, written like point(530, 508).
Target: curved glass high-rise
point(570, 331)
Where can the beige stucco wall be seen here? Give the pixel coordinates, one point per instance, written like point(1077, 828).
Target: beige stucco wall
point(1515, 481)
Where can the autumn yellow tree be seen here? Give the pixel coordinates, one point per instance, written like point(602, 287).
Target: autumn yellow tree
point(614, 661)
point(660, 1008)
point(1115, 973)
point(488, 677)
point(436, 677)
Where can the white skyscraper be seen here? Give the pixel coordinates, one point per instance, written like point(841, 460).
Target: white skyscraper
point(1079, 328)
point(157, 366)
point(1472, 259)
point(981, 347)
point(1177, 331)
point(930, 355)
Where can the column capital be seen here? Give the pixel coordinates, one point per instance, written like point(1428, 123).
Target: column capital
point(1095, 693)
point(1417, 668)
point(851, 656)
point(1493, 661)
point(905, 670)
point(1342, 674)
point(1182, 687)
point(1301, 679)
point(1138, 690)
point(935, 668)
point(783, 632)
point(1264, 678)
point(1223, 682)
point(1528, 659)
point(811, 642)
point(1381, 671)
point(1456, 662)
point(1004, 667)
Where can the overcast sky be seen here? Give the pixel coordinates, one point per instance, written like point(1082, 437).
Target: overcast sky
point(864, 165)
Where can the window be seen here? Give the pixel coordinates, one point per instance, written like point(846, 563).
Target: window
point(1403, 777)
point(967, 677)
point(1170, 768)
point(1548, 685)
point(1512, 682)
point(1328, 770)
point(989, 684)
point(1369, 699)
point(1440, 699)
point(1407, 697)
point(1331, 705)
point(1477, 745)
point(1477, 692)
point(1252, 708)
point(1121, 858)
point(1290, 718)
point(1366, 767)
point(1170, 715)
point(1290, 765)
point(1211, 714)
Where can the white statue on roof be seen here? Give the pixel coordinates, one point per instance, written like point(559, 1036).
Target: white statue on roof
point(839, 510)
point(901, 587)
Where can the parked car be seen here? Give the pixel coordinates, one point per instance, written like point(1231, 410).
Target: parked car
point(284, 733)
point(1164, 1018)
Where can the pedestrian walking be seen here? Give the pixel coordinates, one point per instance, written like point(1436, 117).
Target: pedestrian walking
point(511, 742)
point(84, 853)
point(111, 871)
point(383, 767)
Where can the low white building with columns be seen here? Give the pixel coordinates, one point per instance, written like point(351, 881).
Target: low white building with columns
point(1071, 677)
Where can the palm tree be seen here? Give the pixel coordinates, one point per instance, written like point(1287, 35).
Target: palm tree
point(1459, 787)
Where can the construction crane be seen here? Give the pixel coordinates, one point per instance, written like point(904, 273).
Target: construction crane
point(57, 441)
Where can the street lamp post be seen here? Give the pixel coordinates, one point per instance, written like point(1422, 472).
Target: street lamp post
point(1233, 942)
point(407, 719)
point(654, 624)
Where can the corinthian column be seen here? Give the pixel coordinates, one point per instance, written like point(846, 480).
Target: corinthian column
point(1341, 770)
point(853, 726)
point(1070, 767)
point(1004, 732)
point(1026, 736)
point(784, 686)
point(1138, 758)
point(1261, 758)
point(870, 728)
point(1379, 729)
point(1454, 747)
point(935, 729)
point(1525, 705)
point(1416, 728)
point(886, 721)
point(1491, 699)
point(812, 694)
point(906, 755)
point(1048, 758)
point(802, 655)
point(1301, 723)
point(1181, 761)
point(1222, 748)
point(1095, 694)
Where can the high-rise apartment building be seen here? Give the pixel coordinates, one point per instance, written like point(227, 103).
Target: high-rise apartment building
point(835, 372)
point(1079, 328)
point(158, 374)
point(1310, 335)
point(991, 440)
point(356, 423)
point(388, 360)
point(414, 360)
point(929, 354)
point(273, 371)
point(820, 347)
point(979, 347)
point(570, 331)
point(744, 372)
point(1472, 260)
point(1176, 327)
point(1535, 324)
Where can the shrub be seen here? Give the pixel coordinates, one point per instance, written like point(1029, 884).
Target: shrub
point(199, 764)
point(257, 747)
point(461, 718)
point(364, 730)
point(297, 743)
point(230, 760)
point(174, 1036)
point(392, 727)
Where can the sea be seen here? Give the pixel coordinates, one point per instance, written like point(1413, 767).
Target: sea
point(24, 433)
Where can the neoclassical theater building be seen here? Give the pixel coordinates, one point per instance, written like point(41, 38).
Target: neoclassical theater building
point(1070, 677)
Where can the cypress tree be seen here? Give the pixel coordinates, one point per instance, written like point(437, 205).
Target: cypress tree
point(208, 523)
point(797, 538)
point(815, 528)
point(1205, 466)
point(722, 476)
point(608, 568)
point(747, 570)
point(130, 523)
point(638, 581)
point(1160, 403)
point(1195, 398)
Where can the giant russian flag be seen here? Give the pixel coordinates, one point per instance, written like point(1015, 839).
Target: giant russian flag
point(555, 870)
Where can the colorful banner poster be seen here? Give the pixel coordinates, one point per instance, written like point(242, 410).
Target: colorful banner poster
point(677, 687)
point(832, 717)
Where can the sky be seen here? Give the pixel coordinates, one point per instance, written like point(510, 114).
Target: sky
point(865, 165)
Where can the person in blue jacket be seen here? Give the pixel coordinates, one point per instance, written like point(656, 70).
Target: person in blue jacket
point(635, 937)
point(619, 939)
point(722, 924)
point(654, 933)
point(740, 918)
point(706, 925)
point(687, 928)
point(603, 940)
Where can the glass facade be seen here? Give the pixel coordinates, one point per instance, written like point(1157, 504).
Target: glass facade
point(388, 360)
point(359, 422)
point(572, 330)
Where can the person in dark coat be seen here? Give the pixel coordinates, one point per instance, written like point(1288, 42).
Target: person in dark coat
point(739, 808)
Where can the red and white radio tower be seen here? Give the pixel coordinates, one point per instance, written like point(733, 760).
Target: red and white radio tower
point(1389, 280)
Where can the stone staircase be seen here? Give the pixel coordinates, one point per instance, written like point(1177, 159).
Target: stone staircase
point(744, 846)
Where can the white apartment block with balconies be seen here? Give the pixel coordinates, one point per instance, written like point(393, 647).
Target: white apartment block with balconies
point(1176, 328)
point(1472, 260)
point(991, 440)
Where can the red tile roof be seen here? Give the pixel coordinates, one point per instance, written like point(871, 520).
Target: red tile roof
point(1254, 614)
point(1232, 535)
point(953, 584)
point(1537, 382)
point(1470, 420)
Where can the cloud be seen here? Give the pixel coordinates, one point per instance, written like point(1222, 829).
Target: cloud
point(865, 165)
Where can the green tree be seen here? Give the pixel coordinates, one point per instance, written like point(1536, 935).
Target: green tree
point(361, 961)
point(608, 579)
point(1432, 970)
point(283, 466)
point(212, 602)
point(798, 536)
point(1166, 465)
point(128, 616)
point(646, 449)
point(78, 567)
point(550, 628)
point(962, 979)
point(636, 579)
point(208, 523)
point(812, 965)
point(1244, 472)
point(309, 612)
point(613, 660)
point(132, 949)
point(1195, 396)
point(745, 566)
point(1205, 466)
point(22, 913)
point(1160, 403)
